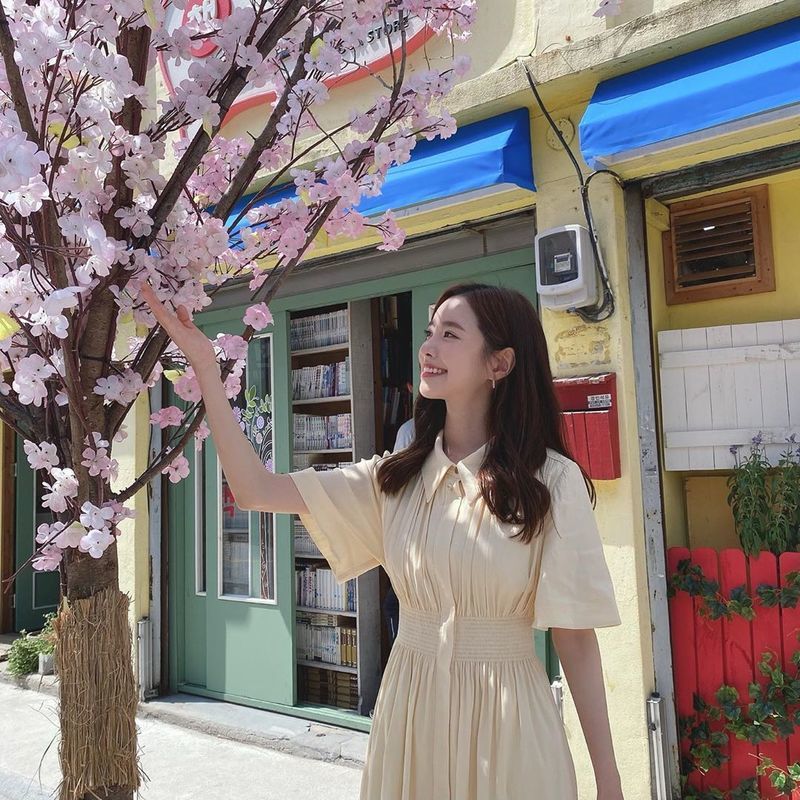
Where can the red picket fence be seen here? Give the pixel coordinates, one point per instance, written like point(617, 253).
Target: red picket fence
point(708, 653)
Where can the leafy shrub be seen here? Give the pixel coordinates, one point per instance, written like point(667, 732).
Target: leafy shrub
point(765, 499)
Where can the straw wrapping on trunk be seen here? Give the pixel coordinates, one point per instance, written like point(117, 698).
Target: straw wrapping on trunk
point(98, 749)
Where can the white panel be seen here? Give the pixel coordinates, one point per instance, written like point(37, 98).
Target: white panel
point(749, 413)
point(698, 398)
point(774, 399)
point(669, 341)
point(723, 394)
point(673, 402)
point(791, 333)
point(739, 436)
point(722, 385)
point(733, 355)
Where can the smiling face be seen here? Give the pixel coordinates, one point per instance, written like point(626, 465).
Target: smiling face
point(453, 359)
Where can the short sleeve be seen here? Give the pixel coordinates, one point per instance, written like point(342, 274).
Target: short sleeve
point(344, 516)
point(574, 589)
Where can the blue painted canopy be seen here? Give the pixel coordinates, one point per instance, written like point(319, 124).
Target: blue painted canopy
point(749, 75)
point(487, 153)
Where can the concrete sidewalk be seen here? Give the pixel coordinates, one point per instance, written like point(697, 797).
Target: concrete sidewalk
point(243, 724)
point(181, 762)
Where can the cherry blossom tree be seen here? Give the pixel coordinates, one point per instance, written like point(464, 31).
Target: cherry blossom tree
point(105, 188)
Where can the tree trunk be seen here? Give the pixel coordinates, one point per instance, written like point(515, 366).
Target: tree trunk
point(98, 750)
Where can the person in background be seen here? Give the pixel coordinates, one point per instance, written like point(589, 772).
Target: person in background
point(405, 435)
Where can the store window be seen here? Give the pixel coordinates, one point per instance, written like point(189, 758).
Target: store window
point(247, 539)
point(719, 246)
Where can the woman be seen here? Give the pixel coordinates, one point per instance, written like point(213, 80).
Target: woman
point(486, 530)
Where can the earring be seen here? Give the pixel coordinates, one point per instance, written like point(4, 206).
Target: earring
point(494, 384)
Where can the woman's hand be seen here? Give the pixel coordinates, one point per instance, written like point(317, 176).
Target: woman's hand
point(191, 341)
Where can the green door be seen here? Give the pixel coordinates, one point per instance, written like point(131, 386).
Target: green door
point(35, 593)
point(235, 635)
point(523, 279)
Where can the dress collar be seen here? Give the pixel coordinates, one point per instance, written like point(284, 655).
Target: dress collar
point(437, 465)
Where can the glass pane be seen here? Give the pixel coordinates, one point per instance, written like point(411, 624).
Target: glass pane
point(235, 545)
point(247, 553)
point(46, 585)
point(200, 519)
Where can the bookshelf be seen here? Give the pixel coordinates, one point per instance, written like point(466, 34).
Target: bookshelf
point(337, 628)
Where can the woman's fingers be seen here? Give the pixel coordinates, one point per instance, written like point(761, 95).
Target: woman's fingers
point(160, 311)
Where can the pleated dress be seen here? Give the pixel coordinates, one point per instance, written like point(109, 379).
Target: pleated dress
point(465, 710)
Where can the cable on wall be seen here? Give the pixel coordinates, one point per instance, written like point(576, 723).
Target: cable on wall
point(605, 308)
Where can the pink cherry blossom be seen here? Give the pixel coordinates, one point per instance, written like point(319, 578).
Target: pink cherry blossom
point(63, 488)
point(70, 536)
point(171, 415)
point(46, 533)
point(96, 542)
point(232, 346)
point(177, 470)
point(93, 516)
point(48, 558)
point(258, 316)
point(200, 435)
point(187, 387)
point(19, 161)
point(98, 462)
point(44, 456)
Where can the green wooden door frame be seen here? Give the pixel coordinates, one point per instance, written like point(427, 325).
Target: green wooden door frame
point(225, 647)
point(513, 269)
point(36, 593)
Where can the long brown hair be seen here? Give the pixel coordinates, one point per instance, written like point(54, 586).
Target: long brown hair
point(524, 417)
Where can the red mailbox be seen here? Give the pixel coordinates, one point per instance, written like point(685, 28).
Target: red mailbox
point(591, 428)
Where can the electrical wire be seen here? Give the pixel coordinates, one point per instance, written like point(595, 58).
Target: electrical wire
point(605, 308)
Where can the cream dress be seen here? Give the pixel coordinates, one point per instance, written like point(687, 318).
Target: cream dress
point(465, 710)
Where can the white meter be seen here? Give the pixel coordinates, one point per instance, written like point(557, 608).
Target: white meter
point(566, 276)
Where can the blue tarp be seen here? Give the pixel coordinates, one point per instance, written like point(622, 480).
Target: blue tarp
point(483, 154)
point(751, 74)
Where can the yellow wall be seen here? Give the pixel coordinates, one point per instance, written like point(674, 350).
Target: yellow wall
point(578, 348)
point(709, 523)
point(133, 543)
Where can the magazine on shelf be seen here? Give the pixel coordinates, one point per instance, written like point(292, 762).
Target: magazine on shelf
point(320, 638)
point(316, 432)
point(320, 330)
point(322, 380)
point(316, 587)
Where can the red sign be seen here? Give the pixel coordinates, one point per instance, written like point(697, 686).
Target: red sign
point(203, 13)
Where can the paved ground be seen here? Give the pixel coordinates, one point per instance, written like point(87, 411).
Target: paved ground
point(182, 762)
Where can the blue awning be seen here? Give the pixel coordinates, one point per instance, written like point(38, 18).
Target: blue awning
point(493, 152)
point(737, 81)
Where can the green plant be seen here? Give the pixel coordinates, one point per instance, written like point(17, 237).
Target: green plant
point(765, 499)
point(23, 656)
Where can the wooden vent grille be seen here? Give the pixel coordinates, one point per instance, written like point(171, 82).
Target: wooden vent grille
point(719, 246)
point(715, 245)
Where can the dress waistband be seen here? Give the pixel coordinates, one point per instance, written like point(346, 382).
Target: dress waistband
point(474, 638)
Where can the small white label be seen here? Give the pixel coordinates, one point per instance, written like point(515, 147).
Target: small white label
point(599, 400)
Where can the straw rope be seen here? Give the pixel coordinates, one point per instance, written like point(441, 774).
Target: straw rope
point(98, 749)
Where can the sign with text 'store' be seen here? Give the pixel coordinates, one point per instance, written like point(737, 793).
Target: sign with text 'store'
point(372, 56)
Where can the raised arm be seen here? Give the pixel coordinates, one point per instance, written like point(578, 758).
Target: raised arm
point(253, 485)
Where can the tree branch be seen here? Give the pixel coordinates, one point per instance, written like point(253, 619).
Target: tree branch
point(190, 161)
point(158, 466)
point(264, 139)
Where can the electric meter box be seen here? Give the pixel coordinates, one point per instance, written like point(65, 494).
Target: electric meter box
point(566, 276)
